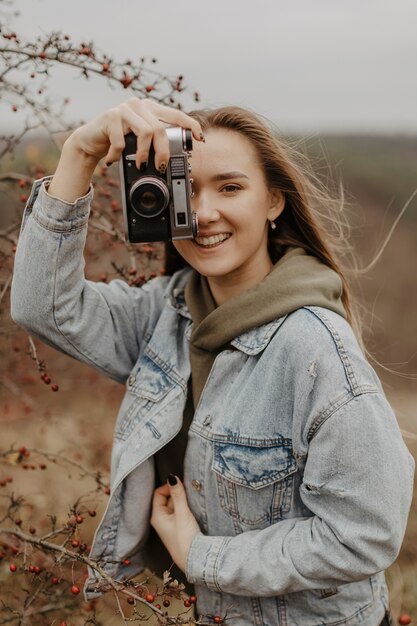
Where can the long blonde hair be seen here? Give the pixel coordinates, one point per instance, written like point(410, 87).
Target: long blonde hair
point(312, 218)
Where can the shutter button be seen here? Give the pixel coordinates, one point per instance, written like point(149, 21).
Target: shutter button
point(196, 485)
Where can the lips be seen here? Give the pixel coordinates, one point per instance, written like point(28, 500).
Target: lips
point(212, 240)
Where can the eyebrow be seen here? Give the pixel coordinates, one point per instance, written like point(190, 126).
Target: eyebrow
point(228, 176)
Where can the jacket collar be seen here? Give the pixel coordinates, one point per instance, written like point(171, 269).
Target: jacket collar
point(250, 342)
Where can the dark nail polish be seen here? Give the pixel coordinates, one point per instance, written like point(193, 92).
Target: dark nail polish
point(162, 168)
point(108, 163)
point(143, 166)
point(202, 137)
point(172, 479)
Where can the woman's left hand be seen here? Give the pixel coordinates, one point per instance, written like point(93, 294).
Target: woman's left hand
point(173, 521)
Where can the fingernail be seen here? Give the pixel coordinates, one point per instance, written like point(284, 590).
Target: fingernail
point(108, 163)
point(172, 479)
point(162, 168)
point(143, 166)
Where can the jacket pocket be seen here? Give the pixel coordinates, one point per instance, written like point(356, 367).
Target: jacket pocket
point(146, 387)
point(254, 482)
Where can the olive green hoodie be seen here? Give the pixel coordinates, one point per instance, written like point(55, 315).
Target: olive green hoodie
point(296, 280)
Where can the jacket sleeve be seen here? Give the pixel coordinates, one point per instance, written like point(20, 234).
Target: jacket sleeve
point(97, 323)
point(357, 483)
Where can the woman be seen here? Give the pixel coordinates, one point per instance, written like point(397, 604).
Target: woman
point(289, 483)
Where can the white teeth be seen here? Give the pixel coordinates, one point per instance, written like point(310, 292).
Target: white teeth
point(211, 241)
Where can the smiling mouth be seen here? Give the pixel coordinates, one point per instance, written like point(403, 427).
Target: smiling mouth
point(211, 242)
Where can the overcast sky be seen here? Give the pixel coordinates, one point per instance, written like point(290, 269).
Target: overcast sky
point(310, 65)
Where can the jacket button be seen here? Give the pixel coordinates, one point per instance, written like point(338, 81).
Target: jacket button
point(131, 380)
point(207, 420)
point(196, 485)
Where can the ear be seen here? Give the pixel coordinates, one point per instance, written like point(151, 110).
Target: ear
point(277, 204)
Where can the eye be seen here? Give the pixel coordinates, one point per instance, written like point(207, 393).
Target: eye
point(231, 188)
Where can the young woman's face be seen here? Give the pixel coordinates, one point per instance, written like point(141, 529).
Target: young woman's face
point(234, 206)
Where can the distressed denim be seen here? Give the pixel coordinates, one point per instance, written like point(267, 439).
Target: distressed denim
point(295, 467)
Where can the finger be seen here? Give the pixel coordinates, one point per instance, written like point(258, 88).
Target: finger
point(175, 117)
point(161, 147)
point(178, 494)
point(169, 115)
point(164, 489)
point(117, 141)
point(132, 122)
point(159, 137)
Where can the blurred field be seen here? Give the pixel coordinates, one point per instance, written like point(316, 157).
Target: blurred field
point(380, 175)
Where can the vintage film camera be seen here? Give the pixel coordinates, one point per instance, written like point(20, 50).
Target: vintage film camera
point(156, 207)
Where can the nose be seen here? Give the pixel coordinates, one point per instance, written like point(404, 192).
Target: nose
point(205, 208)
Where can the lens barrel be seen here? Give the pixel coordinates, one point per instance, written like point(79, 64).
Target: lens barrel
point(149, 196)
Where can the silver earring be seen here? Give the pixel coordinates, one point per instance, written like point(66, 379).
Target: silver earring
point(272, 224)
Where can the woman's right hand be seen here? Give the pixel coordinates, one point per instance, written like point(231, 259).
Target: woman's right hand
point(104, 136)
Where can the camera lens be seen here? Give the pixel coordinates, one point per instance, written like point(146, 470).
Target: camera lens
point(149, 197)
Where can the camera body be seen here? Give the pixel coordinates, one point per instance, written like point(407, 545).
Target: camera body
point(156, 207)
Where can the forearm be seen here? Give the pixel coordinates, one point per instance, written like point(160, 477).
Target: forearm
point(51, 299)
point(74, 172)
point(359, 511)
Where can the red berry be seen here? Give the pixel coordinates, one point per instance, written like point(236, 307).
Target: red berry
point(55, 580)
point(79, 519)
point(105, 67)
point(187, 603)
point(149, 88)
point(42, 55)
point(22, 183)
point(92, 513)
point(46, 379)
point(75, 543)
point(217, 619)
point(63, 624)
point(14, 108)
point(36, 569)
point(107, 491)
point(126, 81)
point(32, 569)
point(75, 590)
point(404, 619)
point(18, 521)
point(131, 600)
point(54, 387)
point(166, 603)
point(149, 598)
point(32, 530)
point(42, 466)
point(24, 197)
point(13, 567)
point(193, 599)
point(126, 562)
point(157, 606)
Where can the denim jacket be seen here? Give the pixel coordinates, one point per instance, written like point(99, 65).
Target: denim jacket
point(295, 467)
